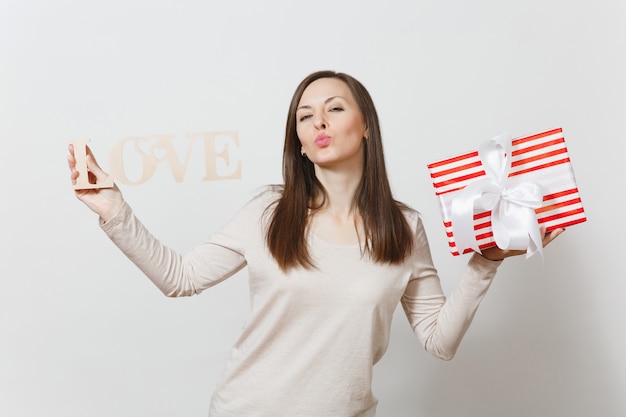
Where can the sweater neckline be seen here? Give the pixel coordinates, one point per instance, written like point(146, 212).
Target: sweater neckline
point(320, 240)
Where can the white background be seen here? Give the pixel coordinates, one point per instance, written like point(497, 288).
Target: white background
point(83, 333)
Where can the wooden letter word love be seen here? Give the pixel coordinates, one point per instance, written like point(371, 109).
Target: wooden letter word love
point(159, 149)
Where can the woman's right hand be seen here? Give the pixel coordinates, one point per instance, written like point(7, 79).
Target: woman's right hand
point(105, 202)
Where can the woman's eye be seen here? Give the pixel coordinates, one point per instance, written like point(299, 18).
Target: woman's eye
point(304, 117)
point(336, 109)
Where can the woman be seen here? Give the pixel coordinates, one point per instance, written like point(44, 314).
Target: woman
point(330, 254)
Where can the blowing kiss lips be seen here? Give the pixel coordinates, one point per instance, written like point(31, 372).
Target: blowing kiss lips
point(322, 140)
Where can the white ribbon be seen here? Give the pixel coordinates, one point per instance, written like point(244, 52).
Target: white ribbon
point(513, 218)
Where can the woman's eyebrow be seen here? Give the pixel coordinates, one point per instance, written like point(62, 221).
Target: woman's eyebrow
point(328, 100)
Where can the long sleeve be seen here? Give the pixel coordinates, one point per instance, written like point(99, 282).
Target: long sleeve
point(439, 322)
point(177, 275)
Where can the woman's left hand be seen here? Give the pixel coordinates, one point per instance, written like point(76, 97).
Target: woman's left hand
point(494, 253)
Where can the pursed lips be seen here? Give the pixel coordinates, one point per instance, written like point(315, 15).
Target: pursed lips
point(322, 140)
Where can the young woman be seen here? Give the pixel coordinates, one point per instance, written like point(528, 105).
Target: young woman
point(330, 254)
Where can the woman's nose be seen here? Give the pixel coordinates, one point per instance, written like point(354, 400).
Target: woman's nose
point(320, 122)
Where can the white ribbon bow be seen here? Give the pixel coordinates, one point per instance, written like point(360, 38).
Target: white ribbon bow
point(513, 217)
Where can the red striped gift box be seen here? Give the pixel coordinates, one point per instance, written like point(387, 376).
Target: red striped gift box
point(540, 158)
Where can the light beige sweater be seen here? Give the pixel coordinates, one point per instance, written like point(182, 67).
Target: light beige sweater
point(313, 336)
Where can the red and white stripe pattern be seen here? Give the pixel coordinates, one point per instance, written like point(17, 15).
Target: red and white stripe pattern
point(540, 158)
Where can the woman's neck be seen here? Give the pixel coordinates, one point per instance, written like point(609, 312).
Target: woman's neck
point(337, 220)
point(340, 190)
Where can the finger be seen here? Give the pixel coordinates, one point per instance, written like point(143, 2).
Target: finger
point(71, 163)
point(549, 237)
point(73, 171)
point(90, 153)
point(557, 232)
point(71, 158)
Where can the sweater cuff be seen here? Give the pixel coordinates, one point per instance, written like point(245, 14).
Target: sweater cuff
point(483, 262)
point(123, 213)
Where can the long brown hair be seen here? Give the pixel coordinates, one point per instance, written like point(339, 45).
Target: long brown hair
point(388, 237)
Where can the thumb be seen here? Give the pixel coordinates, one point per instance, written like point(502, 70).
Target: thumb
point(94, 168)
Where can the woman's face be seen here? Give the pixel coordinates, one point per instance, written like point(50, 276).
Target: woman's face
point(329, 124)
